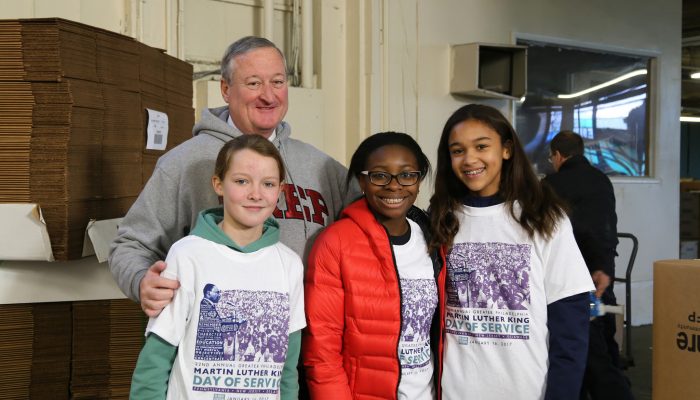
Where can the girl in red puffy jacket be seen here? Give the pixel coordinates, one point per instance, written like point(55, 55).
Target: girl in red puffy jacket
point(370, 285)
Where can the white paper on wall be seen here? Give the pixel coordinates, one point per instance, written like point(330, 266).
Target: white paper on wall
point(157, 130)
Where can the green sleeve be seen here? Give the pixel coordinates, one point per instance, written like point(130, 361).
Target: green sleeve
point(289, 387)
point(152, 372)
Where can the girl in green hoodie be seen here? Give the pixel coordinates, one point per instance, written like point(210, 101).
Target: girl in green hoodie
point(233, 328)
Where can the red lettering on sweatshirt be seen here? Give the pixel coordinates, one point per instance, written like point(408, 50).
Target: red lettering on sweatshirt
point(300, 203)
point(292, 200)
point(319, 206)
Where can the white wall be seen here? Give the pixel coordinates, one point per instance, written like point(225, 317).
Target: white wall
point(107, 14)
point(418, 37)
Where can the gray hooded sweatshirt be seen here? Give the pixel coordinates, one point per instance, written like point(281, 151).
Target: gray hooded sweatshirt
point(180, 187)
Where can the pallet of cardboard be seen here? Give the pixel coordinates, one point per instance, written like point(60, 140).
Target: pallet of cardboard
point(73, 121)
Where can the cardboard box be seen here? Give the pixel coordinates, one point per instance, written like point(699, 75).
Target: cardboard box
point(676, 330)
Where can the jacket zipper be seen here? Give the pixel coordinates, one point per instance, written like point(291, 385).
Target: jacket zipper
point(398, 282)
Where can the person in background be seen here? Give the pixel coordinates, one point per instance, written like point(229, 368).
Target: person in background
point(231, 267)
point(370, 284)
point(254, 84)
point(522, 332)
point(589, 195)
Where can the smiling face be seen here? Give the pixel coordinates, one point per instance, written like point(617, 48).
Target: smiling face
point(477, 155)
point(392, 201)
point(250, 189)
point(257, 91)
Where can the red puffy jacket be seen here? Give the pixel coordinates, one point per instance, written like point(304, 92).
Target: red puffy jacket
point(353, 310)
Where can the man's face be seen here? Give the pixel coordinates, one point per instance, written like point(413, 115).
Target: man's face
point(214, 294)
point(557, 160)
point(257, 91)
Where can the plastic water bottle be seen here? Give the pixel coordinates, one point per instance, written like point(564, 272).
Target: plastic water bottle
point(596, 306)
point(599, 309)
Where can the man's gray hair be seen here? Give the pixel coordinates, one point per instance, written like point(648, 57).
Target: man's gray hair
point(242, 46)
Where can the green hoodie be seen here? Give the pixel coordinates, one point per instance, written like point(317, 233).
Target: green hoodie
point(207, 227)
point(152, 372)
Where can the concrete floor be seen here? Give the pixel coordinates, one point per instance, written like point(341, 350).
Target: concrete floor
point(640, 373)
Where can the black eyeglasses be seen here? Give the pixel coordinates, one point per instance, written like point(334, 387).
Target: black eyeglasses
point(405, 178)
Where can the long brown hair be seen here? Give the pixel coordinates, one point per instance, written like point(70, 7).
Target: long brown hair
point(540, 209)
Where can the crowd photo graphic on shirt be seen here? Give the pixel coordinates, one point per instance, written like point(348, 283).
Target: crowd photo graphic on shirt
point(489, 291)
point(417, 309)
point(245, 329)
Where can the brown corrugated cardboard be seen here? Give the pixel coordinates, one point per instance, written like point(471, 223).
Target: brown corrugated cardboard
point(676, 330)
point(72, 121)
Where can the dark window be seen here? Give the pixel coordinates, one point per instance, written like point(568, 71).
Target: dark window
point(602, 96)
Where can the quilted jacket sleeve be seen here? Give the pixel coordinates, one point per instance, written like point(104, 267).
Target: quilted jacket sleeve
point(323, 337)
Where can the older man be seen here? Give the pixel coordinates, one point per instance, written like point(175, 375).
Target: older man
point(254, 84)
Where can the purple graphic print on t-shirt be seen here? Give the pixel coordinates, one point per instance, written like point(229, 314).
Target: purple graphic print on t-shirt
point(488, 292)
point(489, 275)
point(243, 325)
point(418, 303)
point(209, 344)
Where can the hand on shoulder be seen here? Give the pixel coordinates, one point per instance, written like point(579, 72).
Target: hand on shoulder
point(155, 291)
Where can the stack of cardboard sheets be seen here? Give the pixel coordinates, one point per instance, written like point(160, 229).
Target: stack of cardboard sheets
point(126, 337)
point(51, 346)
point(16, 333)
point(69, 350)
point(16, 110)
point(73, 121)
point(107, 339)
point(35, 350)
point(90, 351)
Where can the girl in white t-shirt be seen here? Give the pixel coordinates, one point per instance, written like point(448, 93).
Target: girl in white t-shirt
point(241, 293)
point(515, 312)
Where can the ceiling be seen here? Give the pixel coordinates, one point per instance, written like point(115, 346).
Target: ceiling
point(690, 89)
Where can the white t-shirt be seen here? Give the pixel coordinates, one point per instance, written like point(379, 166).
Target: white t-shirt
point(499, 283)
point(254, 301)
point(418, 302)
